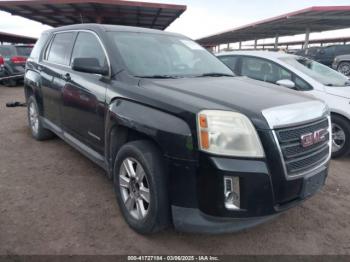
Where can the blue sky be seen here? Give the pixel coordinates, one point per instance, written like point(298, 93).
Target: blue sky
point(205, 17)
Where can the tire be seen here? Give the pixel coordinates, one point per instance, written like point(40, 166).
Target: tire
point(344, 68)
point(156, 212)
point(341, 136)
point(35, 123)
point(10, 82)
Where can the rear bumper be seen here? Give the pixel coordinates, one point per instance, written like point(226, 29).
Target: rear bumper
point(194, 221)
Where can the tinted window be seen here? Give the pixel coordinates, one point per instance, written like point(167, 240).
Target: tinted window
point(24, 50)
point(61, 48)
point(263, 70)
point(7, 51)
point(230, 61)
point(88, 46)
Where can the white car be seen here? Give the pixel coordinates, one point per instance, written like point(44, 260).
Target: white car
point(301, 74)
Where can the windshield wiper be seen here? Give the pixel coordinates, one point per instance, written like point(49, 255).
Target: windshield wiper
point(160, 76)
point(214, 74)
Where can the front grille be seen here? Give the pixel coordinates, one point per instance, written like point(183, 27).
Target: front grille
point(299, 159)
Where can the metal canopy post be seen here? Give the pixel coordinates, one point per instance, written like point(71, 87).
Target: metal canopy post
point(307, 37)
point(255, 43)
point(240, 46)
point(276, 41)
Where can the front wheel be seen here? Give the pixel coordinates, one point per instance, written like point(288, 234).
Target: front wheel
point(141, 187)
point(340, 136)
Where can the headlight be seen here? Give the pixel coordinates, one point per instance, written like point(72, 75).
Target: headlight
point(228, 133)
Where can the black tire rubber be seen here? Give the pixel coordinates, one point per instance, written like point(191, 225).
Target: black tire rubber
point(43, 133)
point(146, 153)
point(345, 125)
point(10, 82)
point(342, 64)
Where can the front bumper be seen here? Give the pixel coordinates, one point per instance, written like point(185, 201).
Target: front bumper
point(197, 193)
point(194, 221)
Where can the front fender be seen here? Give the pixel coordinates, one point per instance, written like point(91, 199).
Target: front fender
point(172, 134)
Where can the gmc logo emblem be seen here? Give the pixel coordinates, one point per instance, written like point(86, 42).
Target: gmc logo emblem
point(314, 138)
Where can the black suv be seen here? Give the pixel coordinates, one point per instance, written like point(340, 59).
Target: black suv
point(15, 57)
point(325, 55)
point(185, 142)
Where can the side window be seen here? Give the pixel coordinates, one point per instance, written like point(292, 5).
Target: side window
point(88, 46)
point(301, 84)
point(263, 70)
point(61, 47)
point(230, 61)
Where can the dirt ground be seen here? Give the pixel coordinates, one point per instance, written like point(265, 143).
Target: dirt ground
point(55, 201)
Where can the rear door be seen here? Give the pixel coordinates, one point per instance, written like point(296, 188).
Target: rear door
point(53, 71)
point(83, 95)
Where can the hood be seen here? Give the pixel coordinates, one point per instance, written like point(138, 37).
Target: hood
point(240, 94)
point(341, 91)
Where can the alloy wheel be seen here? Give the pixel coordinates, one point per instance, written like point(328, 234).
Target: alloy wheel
point(344, 68)
point(338, 138)
point(33, 117)
point(134, 188)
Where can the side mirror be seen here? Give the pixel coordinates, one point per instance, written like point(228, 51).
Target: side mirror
point(286, 83)
point(89, 65)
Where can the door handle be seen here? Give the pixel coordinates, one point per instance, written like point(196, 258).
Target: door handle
point(66, 77)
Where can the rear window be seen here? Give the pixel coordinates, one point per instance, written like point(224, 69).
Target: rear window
point(24, 50)
point(61, 48)
point(7, 51)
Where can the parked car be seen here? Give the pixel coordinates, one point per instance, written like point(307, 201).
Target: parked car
point(304, 75)
point(325, 55)
point(15, 57)
point(184, 141)
point(341, 63)
point(2, 67)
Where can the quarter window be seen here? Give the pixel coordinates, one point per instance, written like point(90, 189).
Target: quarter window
point(88, 46)
point(61, 48)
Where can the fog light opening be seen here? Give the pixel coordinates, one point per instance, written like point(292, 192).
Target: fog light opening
point(231, 191)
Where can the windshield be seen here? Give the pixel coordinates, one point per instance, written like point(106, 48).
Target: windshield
point(158, 56)
point(317, 71)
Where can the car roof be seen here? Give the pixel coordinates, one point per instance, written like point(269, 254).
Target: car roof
point(262, 54)
point(109, 28)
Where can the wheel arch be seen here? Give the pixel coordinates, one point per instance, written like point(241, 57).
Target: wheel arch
point(129, 121)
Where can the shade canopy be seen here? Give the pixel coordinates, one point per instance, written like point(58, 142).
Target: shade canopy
point(312, 41)
point(16, 39)
point(313, 19)
point(66, 12)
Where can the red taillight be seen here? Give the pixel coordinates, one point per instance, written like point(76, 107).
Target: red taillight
point(2, 60)
point(18, 59)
